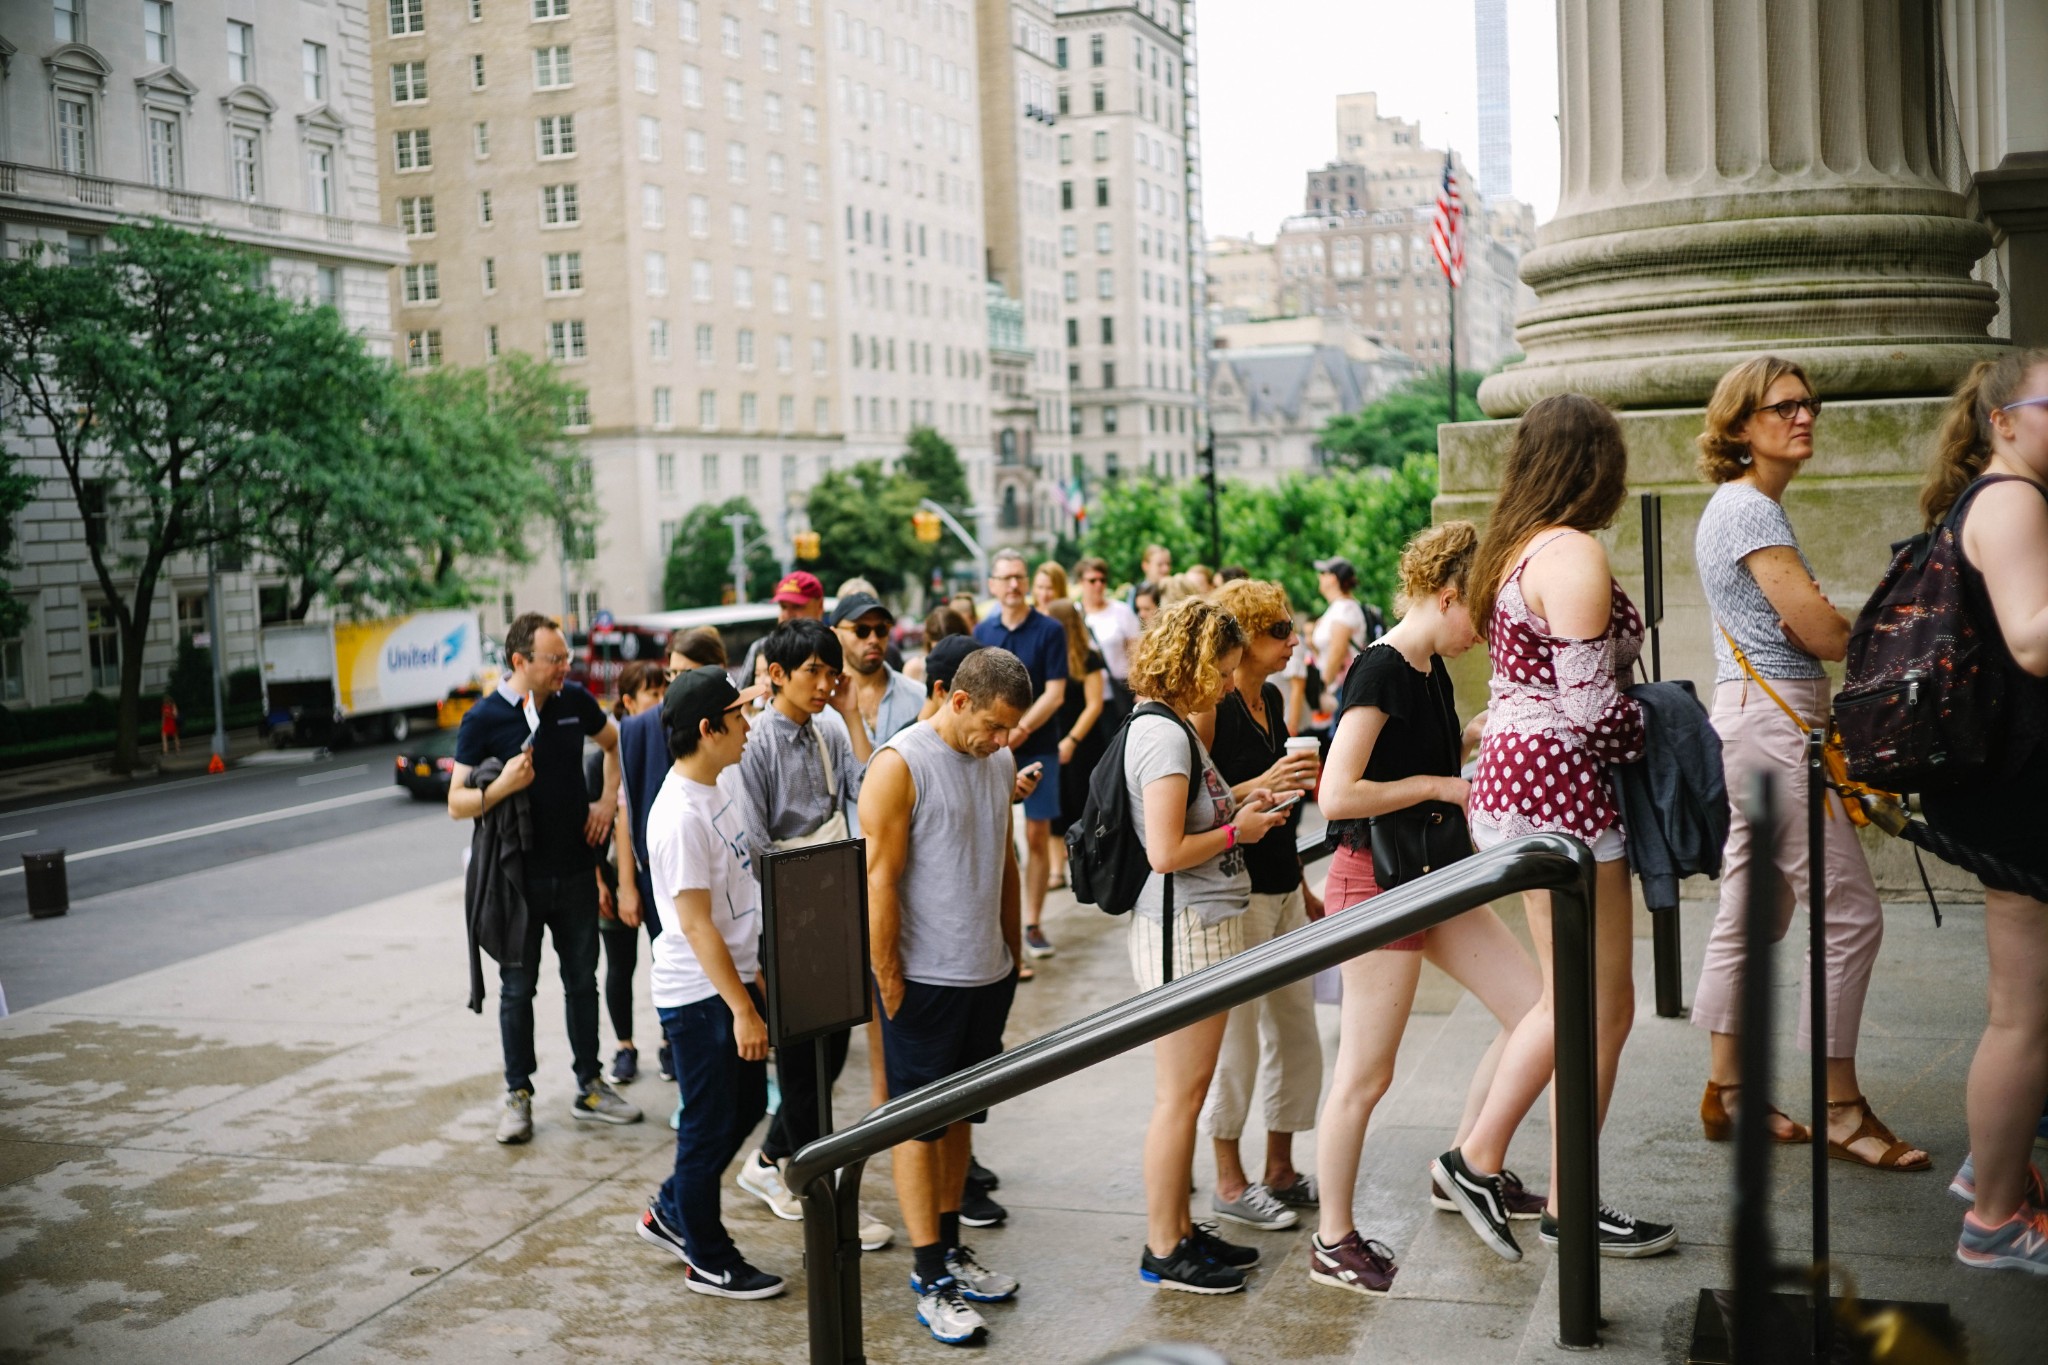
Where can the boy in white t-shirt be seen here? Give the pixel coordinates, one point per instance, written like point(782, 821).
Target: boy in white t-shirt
point(705, 965)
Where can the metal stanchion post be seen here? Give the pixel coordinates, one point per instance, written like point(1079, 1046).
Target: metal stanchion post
point(1754, 1265)
point(1817, 990)
point(1578, 1124)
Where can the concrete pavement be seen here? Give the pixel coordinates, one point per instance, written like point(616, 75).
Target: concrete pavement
point(281, 1150)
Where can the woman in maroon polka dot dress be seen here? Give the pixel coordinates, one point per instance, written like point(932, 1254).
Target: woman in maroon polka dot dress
point(1563, 637)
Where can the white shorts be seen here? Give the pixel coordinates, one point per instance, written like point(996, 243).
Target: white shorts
point(1194, 946)
point(1609, 847)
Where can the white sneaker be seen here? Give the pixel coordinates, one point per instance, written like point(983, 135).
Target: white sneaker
point(942, 1307)
point(763, 1179)
point(874, 1233)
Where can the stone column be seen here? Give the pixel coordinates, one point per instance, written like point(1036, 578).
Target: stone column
point(1743, 175)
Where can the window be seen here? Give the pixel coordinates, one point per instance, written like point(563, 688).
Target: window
point(1073, 331)
point(484, 214)
point(1095, 49)
point(156, 31)
point(744, 349)
point(93, 500)
point(103, 645)
point(735, 100)
point(70, 26)
point(664, 414)
point(412, 149)
point(1066, 148)
point(1109, 374)
point(1070, 240)
point(806, 66)
point(422, 350)
point(729, 36)
point(700, 281)
point(480, 141)
point(476, 71)
point(779, 293)
point(1065, 100)
point(708, 470)
point(74, 136)
point(1071, 286)
point(416, 215)
point(750, 412)
point(313, 67)
point(555, 135)
point(814, 182)
point(491, 341)
point(771, 52)
point(1102, 239)
point(742, 286)
point(816, 292)
point(245, 161)
point(562, 272)
point(558, 207)
point(551, 67)
point(1059, 53)
point(777, 180)
point(707, 418)
point(750, 465)
point(736, 162)
point(565, 340)
point(814, 241)
point(1066, 194)
point(819, 355)
point(476, 12)
point(1101, 146)
point(407, 16)
point(742, 225)
point(778, 233)
point(576, 415)
point(1109, 421)
point(808, 123)
point(650, 138)
point(550, 9)
point(164, 151)
point(422, 283)
point(657, 339)
point(653, 211)
point(665, 482)
point(655, 266)
point(686, 18)
point(1102, 193)
point(490, 274)
point(645, 79)
point(241, 52)
point(1105, 284)
point(1098, 97)
point(408, 82)
point(320, 178)
point(707, 351)
point(785, 352)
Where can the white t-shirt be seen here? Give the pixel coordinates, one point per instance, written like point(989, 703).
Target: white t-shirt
point(1115, 628)
point(1345, 611)
point(697, 841)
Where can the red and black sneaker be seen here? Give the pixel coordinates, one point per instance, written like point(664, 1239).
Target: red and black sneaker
point(1361, 1266)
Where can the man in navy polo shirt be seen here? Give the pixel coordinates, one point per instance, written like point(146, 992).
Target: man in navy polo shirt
point(535, 724)
point(1041, 643)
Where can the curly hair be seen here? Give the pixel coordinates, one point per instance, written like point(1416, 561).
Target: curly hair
point(1736, 399)
point(1175, 662)
point(1567, 465)
point(1257, 605)
point(1963, 446)
point(1438, 557)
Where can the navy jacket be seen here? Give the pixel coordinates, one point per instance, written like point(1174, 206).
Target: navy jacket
point(643, 765)
point(1674, 800)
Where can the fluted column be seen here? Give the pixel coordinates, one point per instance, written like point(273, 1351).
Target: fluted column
point(1741, 175)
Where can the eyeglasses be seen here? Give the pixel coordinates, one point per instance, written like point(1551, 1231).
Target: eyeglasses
point(550, 660)
point(1095, 578)
point(1789, 409)
point(1006, 578)
point(861, 632)
point(2041, 402)
point(1280, 630)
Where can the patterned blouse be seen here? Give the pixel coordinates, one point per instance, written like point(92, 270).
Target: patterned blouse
point(1556, 720)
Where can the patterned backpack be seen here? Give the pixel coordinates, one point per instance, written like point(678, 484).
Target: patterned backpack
point(1923, 701)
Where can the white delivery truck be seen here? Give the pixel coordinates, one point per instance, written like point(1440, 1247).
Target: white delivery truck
point(333, 682)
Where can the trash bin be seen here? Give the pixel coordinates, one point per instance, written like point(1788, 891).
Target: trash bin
point(49, 894)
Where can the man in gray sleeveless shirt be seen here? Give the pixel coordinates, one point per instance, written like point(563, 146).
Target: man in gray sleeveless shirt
point(944, 932)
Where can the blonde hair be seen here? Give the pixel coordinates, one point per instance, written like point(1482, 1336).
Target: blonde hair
point(1257, 605)
point(1438, 557)
point(1963, 447)
point(1723, 454)
point(1069, 616)
point(1175, 662)
point(1058, 576)
point(1175, 589)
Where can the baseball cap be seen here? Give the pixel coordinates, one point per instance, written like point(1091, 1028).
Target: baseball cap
point(799, 589)
point(943, 661)
point(1340, 566)
point(856, 605)
point(700, 694)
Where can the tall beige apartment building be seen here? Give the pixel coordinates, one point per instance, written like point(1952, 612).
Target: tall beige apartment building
point(1020, 195)
point(638, 192)
point(1129, 227)
point(906, 203)
point(1243, 280)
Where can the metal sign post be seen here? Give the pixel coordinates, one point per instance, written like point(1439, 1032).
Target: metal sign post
point(1665, 949)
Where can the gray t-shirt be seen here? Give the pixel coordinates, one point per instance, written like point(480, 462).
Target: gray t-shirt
point(1739, 521)
point(950, 896)
point(1215, 890)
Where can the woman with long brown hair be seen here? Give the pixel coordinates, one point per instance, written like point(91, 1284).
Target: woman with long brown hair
point(1990, 481)
point(1563, 636)
point(1080, 725)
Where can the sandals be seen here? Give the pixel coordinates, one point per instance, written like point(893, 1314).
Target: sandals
point(1872, 1126)
point(1720, 1124)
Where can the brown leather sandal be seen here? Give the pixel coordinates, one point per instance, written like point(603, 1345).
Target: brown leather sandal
point(1872, 1126)
point(1720, 1124)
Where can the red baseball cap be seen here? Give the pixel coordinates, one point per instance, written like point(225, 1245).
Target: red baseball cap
point(798, 589)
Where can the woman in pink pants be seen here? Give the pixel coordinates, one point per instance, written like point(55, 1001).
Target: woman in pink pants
point(1772, 629)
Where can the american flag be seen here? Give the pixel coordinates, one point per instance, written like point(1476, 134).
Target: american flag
point(1447, 227)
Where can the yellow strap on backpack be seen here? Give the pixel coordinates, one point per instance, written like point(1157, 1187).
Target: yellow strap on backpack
point(1831, 754)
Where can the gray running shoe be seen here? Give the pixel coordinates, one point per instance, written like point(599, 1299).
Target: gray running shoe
point(2019, 1243)
point(977, 1281)
point(599, 1103)
point(1255, 1208)
point(515, 1124)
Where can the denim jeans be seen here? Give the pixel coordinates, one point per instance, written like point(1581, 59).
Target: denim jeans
point(723, 1098)
point(567, 908)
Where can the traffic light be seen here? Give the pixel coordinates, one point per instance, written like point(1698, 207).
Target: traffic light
point(806, 544)
point(927, 526)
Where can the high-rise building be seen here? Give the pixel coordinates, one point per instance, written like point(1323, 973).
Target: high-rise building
point(251, 121)
point(1496, 148)
point(638, 193)
point(1129, 225)
point(1243, 282)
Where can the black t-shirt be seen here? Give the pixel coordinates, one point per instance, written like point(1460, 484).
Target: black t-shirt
point(1422, 735)
point(496, 728)
point(1241, 752)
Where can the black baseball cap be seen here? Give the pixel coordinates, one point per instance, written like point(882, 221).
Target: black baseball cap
point(856, 605)
point(1339, 566)
point(700, 694)
point(944, 659)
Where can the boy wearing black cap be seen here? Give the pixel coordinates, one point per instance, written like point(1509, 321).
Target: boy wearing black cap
point(705, 964)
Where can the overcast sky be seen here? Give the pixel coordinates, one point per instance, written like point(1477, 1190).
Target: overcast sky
point(1270, 72)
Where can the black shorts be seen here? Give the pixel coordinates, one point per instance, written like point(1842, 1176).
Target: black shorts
point(2005, 818)
point(941, 1030)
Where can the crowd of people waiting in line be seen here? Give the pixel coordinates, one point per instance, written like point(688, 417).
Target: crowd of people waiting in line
point(1208, 689)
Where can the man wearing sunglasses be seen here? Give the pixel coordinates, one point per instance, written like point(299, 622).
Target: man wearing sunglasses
point(887, 700)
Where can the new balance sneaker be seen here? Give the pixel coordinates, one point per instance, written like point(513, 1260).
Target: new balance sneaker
point(874, 1233)
point(2019, 1243)
point(1482, 1198)
point(1255, 1208)
point(1204, 1239)
point(1964, 1186)
point(1355, 1264)
point(626, 1066)
point(763, 1178)
point(977, 1281)
point(1620, 1235)
point(943, 1307)
point(599, 1103)
point(1299, 1195)
point(978, 1174)
point(977, 1210)
point(1522, 1203)
point(515, 1123)
point(1189, 1270)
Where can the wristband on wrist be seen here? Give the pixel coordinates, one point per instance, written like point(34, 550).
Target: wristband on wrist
point(1229, 837)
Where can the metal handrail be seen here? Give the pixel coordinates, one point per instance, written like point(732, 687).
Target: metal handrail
point(1539, 862)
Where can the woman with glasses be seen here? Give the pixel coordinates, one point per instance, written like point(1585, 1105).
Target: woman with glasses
point(1772, 628)
point(1111, 621)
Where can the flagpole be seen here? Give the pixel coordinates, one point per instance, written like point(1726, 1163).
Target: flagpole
point(1451, 290)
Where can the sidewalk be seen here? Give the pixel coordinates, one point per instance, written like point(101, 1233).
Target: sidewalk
point(79, 776)
point(283, 1151)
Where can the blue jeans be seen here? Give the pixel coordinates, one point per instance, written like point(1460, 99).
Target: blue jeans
point(566, 907)
point(723, 1098)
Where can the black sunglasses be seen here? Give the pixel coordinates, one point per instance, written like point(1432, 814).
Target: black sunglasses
point(1280, 630)
point(861, 632)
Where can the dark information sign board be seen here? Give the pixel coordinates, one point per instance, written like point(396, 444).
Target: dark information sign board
point(815, 940)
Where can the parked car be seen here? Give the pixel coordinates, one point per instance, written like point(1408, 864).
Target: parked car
point(423, 768)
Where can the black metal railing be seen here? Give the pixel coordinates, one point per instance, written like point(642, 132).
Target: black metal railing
point(1540, 862)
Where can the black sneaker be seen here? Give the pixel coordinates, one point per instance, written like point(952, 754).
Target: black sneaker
point(1620, 1235)
point(977, 1210)
point(978, 1174)
point(1205, 1240)
point(667, 1063)
point(1481, 1198)
point(652, 1229)
point(742, 1281)
point(1189, 1270)
point(626, 1066)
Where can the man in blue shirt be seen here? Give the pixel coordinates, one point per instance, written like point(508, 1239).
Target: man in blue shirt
point(1041, 643)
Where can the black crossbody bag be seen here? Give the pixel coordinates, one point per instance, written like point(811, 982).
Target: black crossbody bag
point(1412, 843)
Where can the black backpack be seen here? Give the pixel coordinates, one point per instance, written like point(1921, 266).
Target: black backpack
point(1106, 863)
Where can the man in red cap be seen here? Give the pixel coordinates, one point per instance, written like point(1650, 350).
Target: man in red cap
point(799, 594)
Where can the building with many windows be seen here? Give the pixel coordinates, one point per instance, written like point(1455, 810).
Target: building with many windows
point(1243, 280)
point(254, 121)
point(1272, 385)
point(637, 192)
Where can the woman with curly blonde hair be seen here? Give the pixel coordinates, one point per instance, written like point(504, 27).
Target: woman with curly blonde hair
point(1190, 827)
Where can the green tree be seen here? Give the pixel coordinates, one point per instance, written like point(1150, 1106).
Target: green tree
point(17, 491)
point(1126, 515)
point(1403, 423)
point(931, 459)
point(862, 517)
point(699, 568)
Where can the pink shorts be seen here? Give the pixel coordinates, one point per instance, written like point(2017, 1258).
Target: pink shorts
point(1351, 882)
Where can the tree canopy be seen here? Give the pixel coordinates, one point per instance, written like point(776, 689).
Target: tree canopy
point(1385, 432)
point(699, 567)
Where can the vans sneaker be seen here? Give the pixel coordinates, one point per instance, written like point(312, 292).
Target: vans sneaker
point(599, 1103)
point(1255, 1208)
point(515, 1124)
point(1521, 1202)
point(763, 1178)
point(1361, 1266)
point(1482, 1198)
point(1189, 1270)
point(943, 1308)
point(977, 1281)
point(2019, 1243)
point(1620, 1235)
